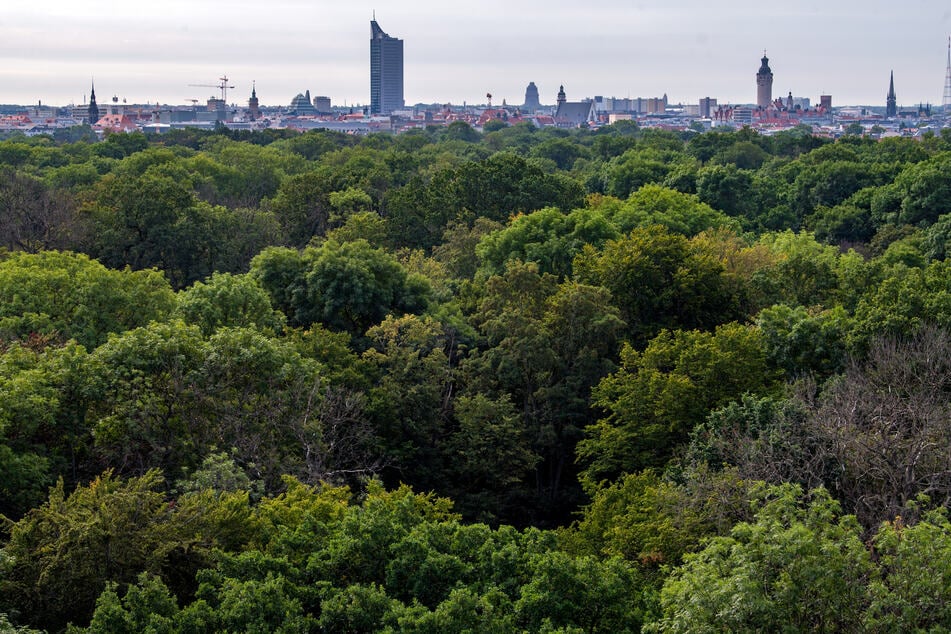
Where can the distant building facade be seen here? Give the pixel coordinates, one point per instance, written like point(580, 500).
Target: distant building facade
point(386, 71)
point(301, 105)
point(764, 84)
point(635, 105)
point(656, 105)
point(322, 104)
point(531, 98)
point(707, 107)
point(570, 114)
point(742, 116)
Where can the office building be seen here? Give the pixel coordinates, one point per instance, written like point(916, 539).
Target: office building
point(386, 71)
point(322, 104)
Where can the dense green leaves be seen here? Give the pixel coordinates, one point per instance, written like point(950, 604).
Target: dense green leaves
point(499, 317)
point(658, 395)
point(72, 296)
point(799, 566)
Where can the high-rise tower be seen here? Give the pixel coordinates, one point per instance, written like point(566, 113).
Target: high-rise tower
point(891, 102)
point(764, 83)
point(946, 101)
point(386, 71)
point(93, 108)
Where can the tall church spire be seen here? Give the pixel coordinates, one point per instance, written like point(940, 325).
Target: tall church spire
point(891, 102)
point(93, 108)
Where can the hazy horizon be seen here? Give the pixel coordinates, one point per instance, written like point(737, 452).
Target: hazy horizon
point(694, 49)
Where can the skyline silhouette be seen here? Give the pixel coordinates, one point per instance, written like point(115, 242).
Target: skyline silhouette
point(456, 55)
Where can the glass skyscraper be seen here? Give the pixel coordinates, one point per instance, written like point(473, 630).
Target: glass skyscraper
point(386, 71)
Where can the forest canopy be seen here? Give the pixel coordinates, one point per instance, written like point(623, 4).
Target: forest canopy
point(545, 380)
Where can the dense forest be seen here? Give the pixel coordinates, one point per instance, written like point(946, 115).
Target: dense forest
point(511, 380)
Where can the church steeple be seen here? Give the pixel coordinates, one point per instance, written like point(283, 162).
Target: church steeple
point(254, 109)
point(561, 95)
point(93, 108)
point(891, 102)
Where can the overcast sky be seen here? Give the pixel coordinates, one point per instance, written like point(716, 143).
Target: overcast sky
point(456, 52)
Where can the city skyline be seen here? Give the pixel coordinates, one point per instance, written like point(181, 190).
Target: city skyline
point(453, 55)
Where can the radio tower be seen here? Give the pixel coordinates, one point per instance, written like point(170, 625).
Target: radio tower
point(946, 101)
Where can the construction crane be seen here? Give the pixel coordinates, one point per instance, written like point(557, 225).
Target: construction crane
point(222, 86)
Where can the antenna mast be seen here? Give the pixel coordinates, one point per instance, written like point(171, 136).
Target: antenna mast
point(946, 101)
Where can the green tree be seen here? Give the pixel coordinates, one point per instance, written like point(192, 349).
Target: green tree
point(546, 345)
point(632, 170)
point(659, 395)
point(488, 456)
point(548, 237)
point(659, 279)
point(64, 552)
point(912, 593)
point(679, 213)
point(801, 341)
point(903, 301)
point(410, 402)
point(147, 411)
point(458, 248)
point(799, 565)
point(352, 286)
point(226, 300)
point(760, 439)
point(34, 217)
point(77, 297)
point(803, 271)
point(348, 286)
point(652, 521)
point(727, 189)
point(302, 204)
point(561, 585)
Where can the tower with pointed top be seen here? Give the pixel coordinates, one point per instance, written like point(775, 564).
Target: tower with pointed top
point(891, 101)
point(561, 96)
point(946, 100)
point(386, 71)
point(93, 108)
point(764, 83)
point(254, 109)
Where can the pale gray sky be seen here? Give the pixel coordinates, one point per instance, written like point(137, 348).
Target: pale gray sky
point(456, 52)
